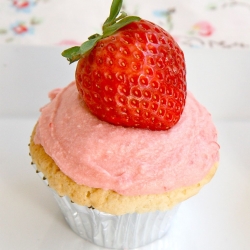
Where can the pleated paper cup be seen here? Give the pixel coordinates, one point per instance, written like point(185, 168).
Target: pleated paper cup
point(128, 231)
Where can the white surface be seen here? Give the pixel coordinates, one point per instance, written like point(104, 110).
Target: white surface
point(217, 218)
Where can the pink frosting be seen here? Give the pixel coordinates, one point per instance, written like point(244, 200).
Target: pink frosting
point(130, 161)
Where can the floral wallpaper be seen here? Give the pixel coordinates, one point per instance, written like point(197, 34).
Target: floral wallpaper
point(193, 23)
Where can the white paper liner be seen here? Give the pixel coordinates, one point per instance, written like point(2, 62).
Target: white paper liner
point(131, 230)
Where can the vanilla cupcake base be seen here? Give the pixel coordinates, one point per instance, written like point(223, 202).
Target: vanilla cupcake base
point(109, 201)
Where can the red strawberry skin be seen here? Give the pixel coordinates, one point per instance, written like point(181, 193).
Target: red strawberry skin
point(135, 78)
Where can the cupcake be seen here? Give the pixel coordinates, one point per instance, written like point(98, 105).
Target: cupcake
point(125, 143)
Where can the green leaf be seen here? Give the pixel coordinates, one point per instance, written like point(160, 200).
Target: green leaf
point(88, 45)
point(75, 53)
point(114, 11)
point(113, 28)
point(72, 54)
point(70, 51)
point(93, 36)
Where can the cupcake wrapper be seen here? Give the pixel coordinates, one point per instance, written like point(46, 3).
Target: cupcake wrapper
point(131, 230)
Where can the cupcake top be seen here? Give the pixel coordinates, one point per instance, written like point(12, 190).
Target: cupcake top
point(129, 161)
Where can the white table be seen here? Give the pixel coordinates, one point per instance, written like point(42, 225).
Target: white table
point(215, 219)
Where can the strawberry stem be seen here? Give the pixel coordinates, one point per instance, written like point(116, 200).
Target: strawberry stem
point(114, 12)
point(110, 26)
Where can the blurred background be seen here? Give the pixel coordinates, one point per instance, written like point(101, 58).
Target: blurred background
point(193, 23)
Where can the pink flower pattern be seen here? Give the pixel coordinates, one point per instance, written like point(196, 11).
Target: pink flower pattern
point(203, 28)
point(20, 4)
point(39, 22)
point(23, 5)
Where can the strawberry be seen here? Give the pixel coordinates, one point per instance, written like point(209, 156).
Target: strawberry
point(133, 75)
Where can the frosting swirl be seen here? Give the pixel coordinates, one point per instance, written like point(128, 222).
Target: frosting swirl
point(130, 161)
